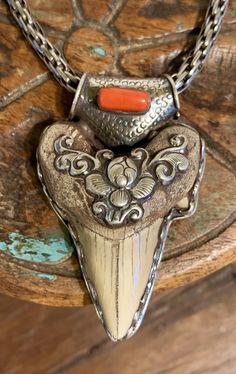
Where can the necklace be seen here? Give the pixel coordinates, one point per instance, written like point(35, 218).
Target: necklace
point(121, 174)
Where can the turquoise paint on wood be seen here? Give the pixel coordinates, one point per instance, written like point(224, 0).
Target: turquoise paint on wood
point(179, 27)
point(49, 277)
point(3, 246)
point(99, 51)
point(46, 250)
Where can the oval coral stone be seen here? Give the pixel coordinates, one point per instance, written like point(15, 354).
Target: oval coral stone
point(117, 99)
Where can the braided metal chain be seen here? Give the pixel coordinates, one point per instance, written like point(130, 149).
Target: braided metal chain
point(193, 63)
point(69, 78)
point(52, 57)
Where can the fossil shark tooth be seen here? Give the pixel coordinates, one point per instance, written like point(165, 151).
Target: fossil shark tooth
point(118, 209)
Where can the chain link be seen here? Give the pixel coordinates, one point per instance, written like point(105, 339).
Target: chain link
point(68, 78)
point(194, 61)
point(52, 57)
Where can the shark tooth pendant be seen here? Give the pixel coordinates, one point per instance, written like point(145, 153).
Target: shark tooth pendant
point(118, 203)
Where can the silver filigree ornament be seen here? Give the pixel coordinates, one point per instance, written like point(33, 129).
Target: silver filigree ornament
point(121, 185)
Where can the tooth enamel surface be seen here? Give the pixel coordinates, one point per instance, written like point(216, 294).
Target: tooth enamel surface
point(119, 271)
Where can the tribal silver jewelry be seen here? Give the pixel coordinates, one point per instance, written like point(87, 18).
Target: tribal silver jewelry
point(120, 170)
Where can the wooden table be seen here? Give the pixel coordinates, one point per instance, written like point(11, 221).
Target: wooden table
point(190, 330)
point(140, 38)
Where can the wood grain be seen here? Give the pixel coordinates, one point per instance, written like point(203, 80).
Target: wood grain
point(157, 18)
point(85, 44)
point(15, 73)
point(190, 330)
point(215, 113)
point(20, 281)
point(106, 38)
point(92, 12)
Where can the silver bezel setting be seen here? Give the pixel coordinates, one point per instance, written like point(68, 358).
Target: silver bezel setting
point(174, 214)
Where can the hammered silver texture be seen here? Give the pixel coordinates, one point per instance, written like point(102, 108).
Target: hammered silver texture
point(117, 128)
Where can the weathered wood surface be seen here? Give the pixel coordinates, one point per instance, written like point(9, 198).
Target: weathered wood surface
point(190, 330)
point(37, 259)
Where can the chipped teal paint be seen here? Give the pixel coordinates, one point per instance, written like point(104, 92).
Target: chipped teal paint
point(100, 51)
point(46, 276)
point(49, 250)
point(49, 277)
point(179, 27)
point(3, 246)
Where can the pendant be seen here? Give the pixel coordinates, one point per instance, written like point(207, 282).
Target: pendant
point(118, 203)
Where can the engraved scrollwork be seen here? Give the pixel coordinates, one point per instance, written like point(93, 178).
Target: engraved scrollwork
point(76, 162)
point(120, 185)
point(117, 217)
point(168, 161)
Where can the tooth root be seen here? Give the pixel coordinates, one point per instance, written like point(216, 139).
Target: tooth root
point(184, 203)
point(119, 272)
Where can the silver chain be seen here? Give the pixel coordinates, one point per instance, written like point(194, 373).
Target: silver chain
point(51, 56)
point(69, 78)
point(194, 61)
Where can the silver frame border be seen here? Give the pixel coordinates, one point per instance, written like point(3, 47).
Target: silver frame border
point(174, 214)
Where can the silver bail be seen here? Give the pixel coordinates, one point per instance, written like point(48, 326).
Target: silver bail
point(124, 128)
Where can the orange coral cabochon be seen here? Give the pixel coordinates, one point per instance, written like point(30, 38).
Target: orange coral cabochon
point(123, 100)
